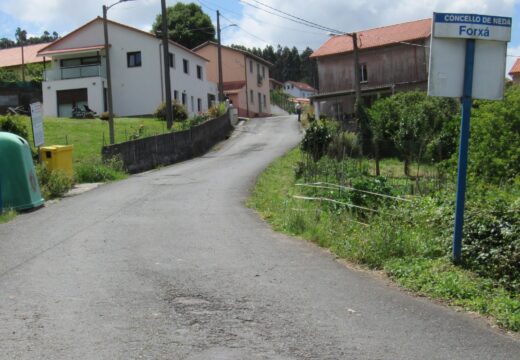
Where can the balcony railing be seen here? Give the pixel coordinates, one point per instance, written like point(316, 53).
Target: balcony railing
point(75, 72)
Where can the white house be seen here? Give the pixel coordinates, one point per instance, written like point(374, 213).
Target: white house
point(298, 89)
point(78, 73)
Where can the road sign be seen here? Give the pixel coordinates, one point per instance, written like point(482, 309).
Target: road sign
point(467, 60)
point(37, 123)
point(447, 55)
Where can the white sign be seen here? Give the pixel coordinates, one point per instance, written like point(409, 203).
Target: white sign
point(470, 26)
point(448, 52)
point(37, 123)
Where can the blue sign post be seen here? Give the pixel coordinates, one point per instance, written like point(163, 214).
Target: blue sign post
point(467, 60)
point(463, 149)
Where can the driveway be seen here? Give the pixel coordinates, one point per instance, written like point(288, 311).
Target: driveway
point(170, 264)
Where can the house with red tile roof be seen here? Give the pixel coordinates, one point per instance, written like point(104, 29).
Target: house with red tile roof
point(515, 72)
point(78, 73)
point(11, 58)
point(391, 58)
point(298, 89)
point(245, 77)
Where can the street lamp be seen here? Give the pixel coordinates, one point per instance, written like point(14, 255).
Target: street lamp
point(109, 79)
point(220, 78)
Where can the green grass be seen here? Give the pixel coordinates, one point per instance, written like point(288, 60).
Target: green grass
point(89, 135)
point(403, 240)
point(7, 216)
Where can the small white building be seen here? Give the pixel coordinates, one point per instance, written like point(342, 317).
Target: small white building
point(78, 73)
point(298, 89)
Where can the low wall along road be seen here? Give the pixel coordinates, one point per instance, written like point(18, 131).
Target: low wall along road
point(148, 153)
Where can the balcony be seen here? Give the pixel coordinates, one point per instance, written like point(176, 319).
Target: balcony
point(75, 72)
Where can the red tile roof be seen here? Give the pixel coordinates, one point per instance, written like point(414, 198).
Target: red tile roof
point(386, 35)
point(13, 56)
point(45, 48)
point(234, 85)
point(301, 86)
point(78, 49)
point(516, 67)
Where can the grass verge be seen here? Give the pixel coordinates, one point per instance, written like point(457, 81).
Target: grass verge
point(408, 250)
point(7, 216)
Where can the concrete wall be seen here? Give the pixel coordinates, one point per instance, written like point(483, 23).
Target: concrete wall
point(148, 153)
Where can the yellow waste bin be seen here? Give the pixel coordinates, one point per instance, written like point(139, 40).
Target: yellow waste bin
point(58, 157)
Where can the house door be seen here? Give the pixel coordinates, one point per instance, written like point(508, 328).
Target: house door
point(67, 99)
point(259, 103)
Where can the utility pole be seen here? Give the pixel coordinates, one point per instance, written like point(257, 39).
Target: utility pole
point(166, 57)
point(220, 80)
point(357, 77)
point(109, 79)
point(23, 64)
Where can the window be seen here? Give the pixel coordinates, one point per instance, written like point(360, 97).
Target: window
point(363, 74)
point(265, 101)
point(199, 104)
point(251, 66)
point(258, 69)
point(91, 60)
point(184, 98)
point(171, 58)
point(186, 66)
point(251, 95)
point(263, 71)
point(175, 95)
point(192, 104)
point(133, 59)
point(199, 72)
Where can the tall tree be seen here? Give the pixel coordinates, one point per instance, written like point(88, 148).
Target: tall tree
point(188, 25)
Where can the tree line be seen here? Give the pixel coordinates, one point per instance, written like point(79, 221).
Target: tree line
point(288, 63)
point(189, 26)
point(21, 38)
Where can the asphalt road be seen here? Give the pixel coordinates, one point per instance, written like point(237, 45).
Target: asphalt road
point(170, 264)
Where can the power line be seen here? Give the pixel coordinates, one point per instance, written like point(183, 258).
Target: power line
point(309, 23)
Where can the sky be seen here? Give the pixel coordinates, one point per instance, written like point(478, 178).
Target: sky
point(255, 27)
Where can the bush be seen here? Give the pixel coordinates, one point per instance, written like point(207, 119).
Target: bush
point(317, 139)
point(344, 144)
point(95, 170)
point(217, 111)
point(491, 245)
point(179, 113)
point(14, 124)
point(53, 183)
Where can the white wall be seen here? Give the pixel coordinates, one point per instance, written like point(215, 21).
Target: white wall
point(135, 90)
point(296, 92)
point(94, 86)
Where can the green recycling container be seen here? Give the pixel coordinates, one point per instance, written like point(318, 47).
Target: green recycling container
point(19, 189)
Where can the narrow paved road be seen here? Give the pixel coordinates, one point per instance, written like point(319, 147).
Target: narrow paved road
point(170, 264)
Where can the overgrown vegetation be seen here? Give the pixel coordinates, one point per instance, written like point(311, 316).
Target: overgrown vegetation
point(95, 170)
point(398, 215)
point(53, 183)
point(14, 124)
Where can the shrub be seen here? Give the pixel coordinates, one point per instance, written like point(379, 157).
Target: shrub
point(15, 125)
point(95, 170)
point(317, 139)
point(53, 183)
point(344, 144)
point(491, 245)
point(179, 113)
point(217, 111)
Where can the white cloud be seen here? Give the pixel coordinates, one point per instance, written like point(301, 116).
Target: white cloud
point(64, 16)
point(346, 16)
